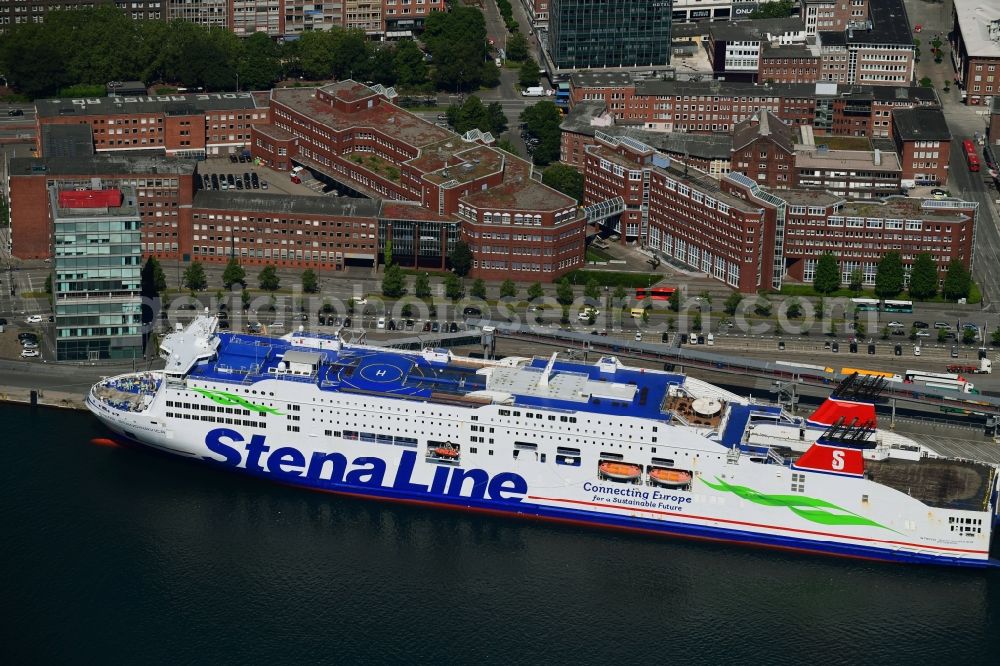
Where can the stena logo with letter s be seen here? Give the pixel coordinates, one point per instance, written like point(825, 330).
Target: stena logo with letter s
point(287, 463)
point(838, 460)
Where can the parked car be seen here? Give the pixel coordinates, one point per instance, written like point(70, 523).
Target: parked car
point(942, 325)
point(21, 337)
point(30, 353)
point(923, 334)
point(30, 344)
point(263, 184)
point(895, 324)
point(472, 312)
point(15, 112)
point(435, 327)
point(35, 319)
point(453, 327)
point(380, 323)
point(920, 324)
point(427, 327)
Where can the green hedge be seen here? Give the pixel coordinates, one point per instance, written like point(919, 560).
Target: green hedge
point(612, 279)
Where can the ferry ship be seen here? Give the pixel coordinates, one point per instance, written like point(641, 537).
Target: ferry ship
point(601, 444)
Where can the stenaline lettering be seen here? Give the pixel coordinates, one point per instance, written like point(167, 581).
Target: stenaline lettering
point(630, 491)
point(289, 463)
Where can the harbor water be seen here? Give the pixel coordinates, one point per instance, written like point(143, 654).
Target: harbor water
point(120, 555)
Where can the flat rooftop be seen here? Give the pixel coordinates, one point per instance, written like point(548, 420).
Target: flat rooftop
point(519, 191)
point(286, 203)
point(148, 104)
point(974, 20)
point(846, 159)
point(589, 79)
point(714, 88)
point(921, 124)
point(906, 208)
point(890, 25)
point(101, 165)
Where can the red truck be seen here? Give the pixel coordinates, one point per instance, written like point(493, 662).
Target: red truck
point(985, 367)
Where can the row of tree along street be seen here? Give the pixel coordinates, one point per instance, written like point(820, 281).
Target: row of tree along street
point(891, 279)
point(79, 51)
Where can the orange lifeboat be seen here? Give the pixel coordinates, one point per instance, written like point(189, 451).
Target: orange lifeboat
point(447, 452)
point(670, 478)
point(620, 471)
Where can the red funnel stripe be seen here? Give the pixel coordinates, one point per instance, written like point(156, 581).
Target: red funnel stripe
point(833, 409)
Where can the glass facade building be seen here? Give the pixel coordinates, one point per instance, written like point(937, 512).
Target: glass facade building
point(96, 283)
point(609, 33)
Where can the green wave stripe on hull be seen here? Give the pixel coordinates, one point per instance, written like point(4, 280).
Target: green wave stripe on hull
point(809, 508)
point(231, 399)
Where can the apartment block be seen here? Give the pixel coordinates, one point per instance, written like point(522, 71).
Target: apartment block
point(975, 52)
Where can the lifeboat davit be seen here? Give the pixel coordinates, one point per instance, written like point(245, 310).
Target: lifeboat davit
point(620, 471)
point(670, 478)
point(446, 452)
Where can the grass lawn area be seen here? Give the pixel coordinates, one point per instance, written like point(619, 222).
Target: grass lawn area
point(596, 254)
point(975, 295)
point(613, 279)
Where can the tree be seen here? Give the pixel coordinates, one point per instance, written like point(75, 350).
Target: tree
point(827, 278)
point(461, 258)
point(885, 332)
point(393, 283)
point(793, 310)
point(233, 274)
point(995, 337)
point(245, 299)
point(957, 281)
point(542, 121)
point(194, 277)
point(268, 279)
point(453, 287)
point(508, 289)
point(889, 277)
point(762, 307)
point(620, 294)
point(259, 62)
point(517, 47)
point(535, 291)
point(564, 292)
point(566, 179)
point(411, 68)
point(528, 74)
point(674, 302)
point(774, 9)
point(732, 303)
point(496, 119)
point(422, 286)
point(592, 289)
point(456, 40)
point(968, 336)
point(387, 252)
point(923, 277)
point(508, 147)
point(153, 279)
point(942, 335)
point(310, 283)
point(857, 281)
point(478, 289)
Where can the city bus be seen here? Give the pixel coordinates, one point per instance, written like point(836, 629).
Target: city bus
point(654, 293)
point(971, 157)
point(897, 306)
point(862, 304)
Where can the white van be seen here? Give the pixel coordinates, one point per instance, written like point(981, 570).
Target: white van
point(533, 91)
point(380, 323)
point(710, 339)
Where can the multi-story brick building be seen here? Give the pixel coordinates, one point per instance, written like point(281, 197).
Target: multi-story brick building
point(749, 238)
point(404, 18)
point(537, 12)
point(716, 106)
point(993, 130)
point(764, 150)
point(735, 47)
point(14, 12)
point(976, 49)
point(180, 125)
point(207, 13)
point(708, 152)
point(794, 63)
point(247, 17)
point(352, 135)
point(283, 230)
point(163, 186)
point(778, 156)
point(923, 142)
point(833, 15)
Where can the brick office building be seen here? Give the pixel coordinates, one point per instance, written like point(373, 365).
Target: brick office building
point(750, 238)
point(975, 41)
point(792, 63)
point(163, 190)
point(923, 142)
point(350, 135)
point(197, 125)
point(716, 106)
